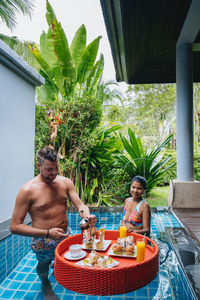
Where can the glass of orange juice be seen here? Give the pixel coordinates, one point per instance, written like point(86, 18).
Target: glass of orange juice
point(140, 246)
point(122, 231)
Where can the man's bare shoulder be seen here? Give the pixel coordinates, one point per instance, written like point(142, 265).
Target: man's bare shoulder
point(30, 185)
point(64, 180)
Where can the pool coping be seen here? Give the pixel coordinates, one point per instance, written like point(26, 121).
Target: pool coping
point(184, 224)
point(186, 242)
point(5, 225)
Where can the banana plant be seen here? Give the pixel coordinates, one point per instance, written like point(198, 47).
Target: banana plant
point(68, 70)
point(139, 160)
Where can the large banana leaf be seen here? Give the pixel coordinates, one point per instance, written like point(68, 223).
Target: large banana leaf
point(62, 51)
point(47, 49)
point(46, 72)
point(50, 15)
point(87, 60)
point(47, 91)
point(95, 74)
point(78, 45)
point(99, 71)
point(46, 68)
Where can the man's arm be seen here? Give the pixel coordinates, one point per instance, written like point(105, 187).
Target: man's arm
point(80, 206)
point(22, 206)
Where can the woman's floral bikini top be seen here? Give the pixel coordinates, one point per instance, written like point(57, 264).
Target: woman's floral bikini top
point(135, 219)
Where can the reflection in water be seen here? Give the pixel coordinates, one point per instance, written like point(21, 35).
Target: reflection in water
point(170, 285)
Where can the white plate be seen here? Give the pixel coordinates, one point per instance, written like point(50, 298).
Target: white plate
point(81, 263)
point(67, 255)
point(111, 253)
point(106, 244)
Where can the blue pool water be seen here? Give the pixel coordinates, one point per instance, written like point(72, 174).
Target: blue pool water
point(23, 282)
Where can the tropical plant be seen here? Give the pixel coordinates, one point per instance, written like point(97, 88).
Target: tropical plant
point(109, 96)
point(73, 97)
point(21, 48)
point(140, 160)
point(95, 172)
point(41, 130)
point(10, 8)
point(68, 71)
point(152, 107)
point(72, 77)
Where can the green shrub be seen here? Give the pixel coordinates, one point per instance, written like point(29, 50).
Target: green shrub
point(170, 174)
point(42, 128)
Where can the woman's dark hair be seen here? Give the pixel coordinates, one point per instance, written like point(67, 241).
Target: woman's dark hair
point(46, 153)
point(141, 180)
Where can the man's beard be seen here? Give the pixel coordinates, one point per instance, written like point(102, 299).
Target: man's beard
point(50, 178)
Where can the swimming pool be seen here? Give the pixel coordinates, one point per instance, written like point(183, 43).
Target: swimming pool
point(170, 282)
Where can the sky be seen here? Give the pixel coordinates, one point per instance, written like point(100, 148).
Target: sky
point(72, 14)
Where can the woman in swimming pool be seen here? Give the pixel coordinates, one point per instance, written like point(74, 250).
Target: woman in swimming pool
point(137, 213)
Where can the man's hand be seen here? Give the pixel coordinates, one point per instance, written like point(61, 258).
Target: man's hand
point(92, 220)
point(57, 233)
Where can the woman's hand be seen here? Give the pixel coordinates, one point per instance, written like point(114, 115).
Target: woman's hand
point(129, 227)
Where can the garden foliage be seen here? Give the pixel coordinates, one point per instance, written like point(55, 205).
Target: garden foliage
point(141, 160)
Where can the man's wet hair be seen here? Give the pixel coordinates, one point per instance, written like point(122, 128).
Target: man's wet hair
point(46, 153)
point(141, 180)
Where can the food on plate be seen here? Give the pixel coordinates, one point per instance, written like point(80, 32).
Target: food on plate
point(93, 258)
point(99, 245)
point(117, 249)
point(110, 261)
point(98, 260)
point(125, 241)
point(129, 250)
point(86, 261)
point(130, 240)
point(101, 233)
point(120, 241)
point(89, 244)
point(93, 232)
point(102, 261)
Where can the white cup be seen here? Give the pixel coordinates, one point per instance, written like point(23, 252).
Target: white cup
point(75, 250)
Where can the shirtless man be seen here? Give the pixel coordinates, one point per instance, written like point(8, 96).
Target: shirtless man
point(45, 199)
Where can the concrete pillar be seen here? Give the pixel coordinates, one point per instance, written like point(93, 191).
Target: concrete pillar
point(184, 123)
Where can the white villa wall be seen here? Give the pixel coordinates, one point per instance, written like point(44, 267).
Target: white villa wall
point(17, 106)
point(17, 117)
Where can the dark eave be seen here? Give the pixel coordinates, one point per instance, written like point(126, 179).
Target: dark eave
point(143, 35)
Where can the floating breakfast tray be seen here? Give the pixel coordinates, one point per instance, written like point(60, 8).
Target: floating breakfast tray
point(127, 276)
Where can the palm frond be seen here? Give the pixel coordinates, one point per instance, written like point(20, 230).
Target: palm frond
point(9, 9)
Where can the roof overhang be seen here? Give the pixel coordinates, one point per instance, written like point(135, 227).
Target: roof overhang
point(143, 36)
